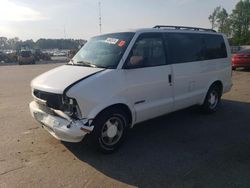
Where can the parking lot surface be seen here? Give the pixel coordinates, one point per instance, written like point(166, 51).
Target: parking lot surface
point(183, 149)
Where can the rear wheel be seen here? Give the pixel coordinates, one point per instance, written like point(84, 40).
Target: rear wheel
point(110, 129)
point(212, 99)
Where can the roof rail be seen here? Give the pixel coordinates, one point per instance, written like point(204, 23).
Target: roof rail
point(183, 28)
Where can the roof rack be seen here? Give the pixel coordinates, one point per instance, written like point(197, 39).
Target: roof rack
point(183, 28)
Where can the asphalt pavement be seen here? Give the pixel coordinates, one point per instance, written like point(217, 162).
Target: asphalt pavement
point(181, 150)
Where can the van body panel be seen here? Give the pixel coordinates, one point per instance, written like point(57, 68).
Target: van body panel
point(58, 79)
point(188, 87)
point(109, 90)
point(148, 91)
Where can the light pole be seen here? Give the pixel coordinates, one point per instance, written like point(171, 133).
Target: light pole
point(100, 17)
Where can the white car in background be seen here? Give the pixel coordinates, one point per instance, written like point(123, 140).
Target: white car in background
point(118, 80)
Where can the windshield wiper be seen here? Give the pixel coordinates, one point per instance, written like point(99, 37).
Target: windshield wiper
point(85, 63)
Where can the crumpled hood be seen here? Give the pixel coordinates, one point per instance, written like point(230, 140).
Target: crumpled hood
point(58, 79)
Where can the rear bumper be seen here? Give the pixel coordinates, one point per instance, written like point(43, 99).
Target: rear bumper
point(244, 64)
point(59, 127)
point(241, 66)
point(25, 61)
point(227, 88)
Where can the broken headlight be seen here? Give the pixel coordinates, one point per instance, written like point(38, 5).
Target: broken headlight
point(71, 108)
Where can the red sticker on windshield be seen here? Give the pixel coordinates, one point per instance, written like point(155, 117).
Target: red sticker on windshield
point(121, 43)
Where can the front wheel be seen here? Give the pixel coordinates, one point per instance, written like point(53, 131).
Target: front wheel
point(110, 129)
point(212, 100)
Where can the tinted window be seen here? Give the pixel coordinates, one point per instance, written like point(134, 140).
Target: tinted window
point(147, 51)
point(184, 47)
point(215, 47)
point(188, 47)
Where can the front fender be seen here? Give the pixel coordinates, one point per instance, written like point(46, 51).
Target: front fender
point(95, 111)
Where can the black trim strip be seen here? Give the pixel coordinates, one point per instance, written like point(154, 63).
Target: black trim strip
point(139, 102)
point(76, 82)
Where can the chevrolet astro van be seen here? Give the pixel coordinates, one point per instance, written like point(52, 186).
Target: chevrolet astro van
point(118, 80)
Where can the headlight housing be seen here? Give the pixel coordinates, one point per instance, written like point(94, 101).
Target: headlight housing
point(70, 107)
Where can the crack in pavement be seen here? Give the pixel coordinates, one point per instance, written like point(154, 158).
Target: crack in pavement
point(6, 172)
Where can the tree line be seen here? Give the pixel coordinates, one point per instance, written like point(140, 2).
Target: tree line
point(235, 25)
point(17, 44)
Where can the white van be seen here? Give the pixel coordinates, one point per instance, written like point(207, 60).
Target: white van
point(118, 80)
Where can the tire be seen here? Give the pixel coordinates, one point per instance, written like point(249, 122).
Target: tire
point(212, 100)
point(110, 129)
point(234, 68)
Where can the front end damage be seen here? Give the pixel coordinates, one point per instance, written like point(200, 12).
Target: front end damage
point(59, 116)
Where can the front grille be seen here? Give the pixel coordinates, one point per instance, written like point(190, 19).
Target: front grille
point(46, 109)
point(52, 100)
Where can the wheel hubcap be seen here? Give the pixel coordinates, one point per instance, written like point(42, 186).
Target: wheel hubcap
point(112, 131)
point(213, 99)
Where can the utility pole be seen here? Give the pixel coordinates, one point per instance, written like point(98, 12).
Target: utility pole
point(64, 31)
point(100, 17)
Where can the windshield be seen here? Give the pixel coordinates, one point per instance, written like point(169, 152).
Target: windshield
point(103, 51)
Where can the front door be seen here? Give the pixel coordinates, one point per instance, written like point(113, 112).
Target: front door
point(148, 77)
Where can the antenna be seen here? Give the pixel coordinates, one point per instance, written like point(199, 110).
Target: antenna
point(100, 17)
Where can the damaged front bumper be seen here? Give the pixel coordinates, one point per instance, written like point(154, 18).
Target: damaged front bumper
point(62, 128)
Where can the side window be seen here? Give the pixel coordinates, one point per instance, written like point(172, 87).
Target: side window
point(185, 47)
point(148, 51)
point(215, 47)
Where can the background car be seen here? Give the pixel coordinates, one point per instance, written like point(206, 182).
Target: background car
point(8, 57)
point(39, 55)
point(241, 59)
point(25, 57)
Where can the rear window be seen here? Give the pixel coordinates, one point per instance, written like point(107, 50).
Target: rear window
point(246, 51)
point(188, 47)
point(25, 53)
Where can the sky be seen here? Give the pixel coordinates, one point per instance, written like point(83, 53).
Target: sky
point(79, 19)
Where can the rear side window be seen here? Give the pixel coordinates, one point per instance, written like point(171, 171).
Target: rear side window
point(215, 47)
point(185, 47)
point(188, 47)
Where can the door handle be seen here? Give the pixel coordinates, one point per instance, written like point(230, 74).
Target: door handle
point(170, 79)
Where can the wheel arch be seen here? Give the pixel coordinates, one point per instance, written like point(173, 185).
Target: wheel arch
point(219, 84)
point(121, 106)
